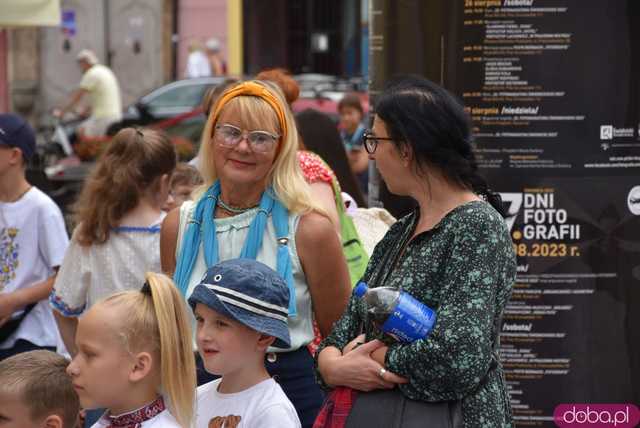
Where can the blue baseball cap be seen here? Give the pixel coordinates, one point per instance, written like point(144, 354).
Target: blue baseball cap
point(16, 132)
point(249, 292)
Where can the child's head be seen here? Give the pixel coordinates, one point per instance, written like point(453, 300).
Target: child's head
point(184, 180)
point(241, 308)
point(35, 391)
point(351, 113)
point(134, 344)
point(17, 144)
point(136, 164)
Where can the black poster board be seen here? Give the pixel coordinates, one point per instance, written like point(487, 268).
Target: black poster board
point(552, 88)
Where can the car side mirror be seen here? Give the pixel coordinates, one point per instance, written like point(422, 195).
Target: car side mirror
point(145, 112)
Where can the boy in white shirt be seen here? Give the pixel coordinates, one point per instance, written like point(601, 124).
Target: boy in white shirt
point(33, 240)
point(241, 308)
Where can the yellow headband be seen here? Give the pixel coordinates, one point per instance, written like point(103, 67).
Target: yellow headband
point(252, 89)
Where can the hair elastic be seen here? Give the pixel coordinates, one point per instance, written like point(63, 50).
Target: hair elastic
point(146, 288)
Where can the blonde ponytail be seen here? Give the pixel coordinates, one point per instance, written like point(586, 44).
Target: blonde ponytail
point(178, 369)
point(157, 321)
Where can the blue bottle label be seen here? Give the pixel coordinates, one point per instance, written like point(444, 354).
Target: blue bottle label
point(411, 320)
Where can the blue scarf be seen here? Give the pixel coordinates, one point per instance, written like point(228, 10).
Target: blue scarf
point(203, 224)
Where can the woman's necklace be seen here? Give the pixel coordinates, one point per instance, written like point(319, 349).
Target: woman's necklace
point(234, 210)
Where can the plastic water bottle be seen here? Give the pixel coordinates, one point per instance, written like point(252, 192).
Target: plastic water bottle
point(396, 312)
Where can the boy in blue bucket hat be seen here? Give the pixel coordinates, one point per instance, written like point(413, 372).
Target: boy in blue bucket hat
point(241, 308)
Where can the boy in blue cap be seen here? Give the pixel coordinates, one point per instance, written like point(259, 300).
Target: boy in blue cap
point(33, 240)
point(241, 308)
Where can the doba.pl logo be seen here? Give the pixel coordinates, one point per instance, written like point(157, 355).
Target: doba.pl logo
point(596, 415)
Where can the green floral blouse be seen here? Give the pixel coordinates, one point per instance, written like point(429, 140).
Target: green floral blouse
point(464, 269)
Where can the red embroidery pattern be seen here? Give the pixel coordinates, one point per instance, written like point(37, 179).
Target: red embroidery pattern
point(135, 418)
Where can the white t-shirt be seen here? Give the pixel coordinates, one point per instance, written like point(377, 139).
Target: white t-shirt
point(263, 405)
point(104, 91)
point(91, 273)
point(163, 419)
point(33, 239)
point(197, 65)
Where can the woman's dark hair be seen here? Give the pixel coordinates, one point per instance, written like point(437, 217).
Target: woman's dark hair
point(426, 117)
point(320, 135)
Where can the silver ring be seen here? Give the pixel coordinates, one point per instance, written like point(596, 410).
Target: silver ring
point(381, 372)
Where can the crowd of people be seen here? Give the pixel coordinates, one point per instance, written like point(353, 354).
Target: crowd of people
point(219, 294)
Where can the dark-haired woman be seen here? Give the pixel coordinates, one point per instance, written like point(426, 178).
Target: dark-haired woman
point(320, 135)
point(453, 253)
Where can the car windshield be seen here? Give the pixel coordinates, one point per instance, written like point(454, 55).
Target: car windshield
point(178, 96)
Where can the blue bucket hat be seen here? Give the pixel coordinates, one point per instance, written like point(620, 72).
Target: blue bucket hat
point(249, 292)
point(16, 132)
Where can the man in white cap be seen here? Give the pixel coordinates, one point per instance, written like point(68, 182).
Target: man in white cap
point(102, 86)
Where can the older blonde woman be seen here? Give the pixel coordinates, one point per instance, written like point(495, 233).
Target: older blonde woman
point(256, 204)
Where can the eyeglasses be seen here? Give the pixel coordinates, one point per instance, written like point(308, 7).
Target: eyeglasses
point(230, 136)
point(371, 141)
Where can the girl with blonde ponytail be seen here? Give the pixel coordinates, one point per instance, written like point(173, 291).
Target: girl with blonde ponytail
point(134, 358)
